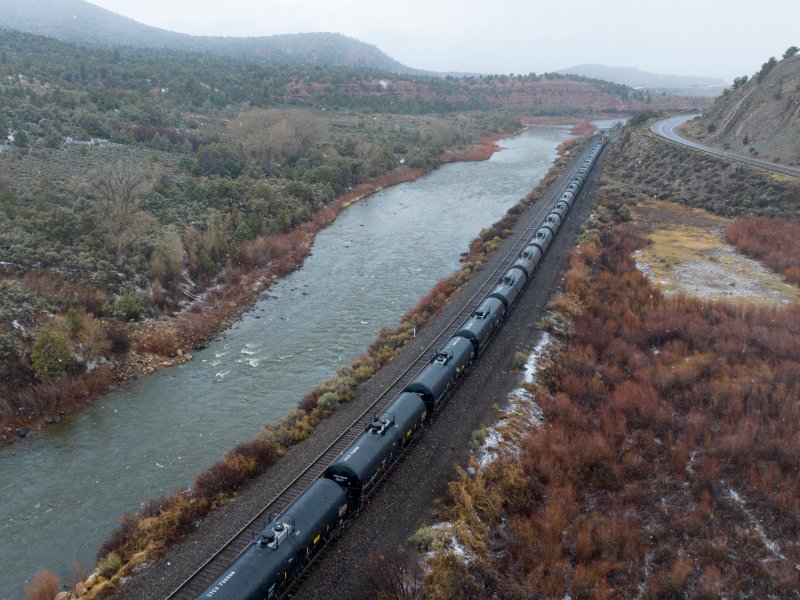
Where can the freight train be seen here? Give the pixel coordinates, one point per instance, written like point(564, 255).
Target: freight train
point(286, 545)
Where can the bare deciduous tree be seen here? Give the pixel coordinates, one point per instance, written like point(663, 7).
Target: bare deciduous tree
point(119, 190)
point(273, 136)
point(396, 575)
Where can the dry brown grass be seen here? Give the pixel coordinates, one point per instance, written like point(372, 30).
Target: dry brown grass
point(45, 585)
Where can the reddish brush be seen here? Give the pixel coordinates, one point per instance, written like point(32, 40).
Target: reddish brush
point(661, 413)
point(776, 242)
point(45, 585)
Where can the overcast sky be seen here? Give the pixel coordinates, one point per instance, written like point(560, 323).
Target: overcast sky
point(715, 38)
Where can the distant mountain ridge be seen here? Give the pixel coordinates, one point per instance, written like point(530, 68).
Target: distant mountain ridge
point(682, 85)
point(759, 116)
point(82, 23)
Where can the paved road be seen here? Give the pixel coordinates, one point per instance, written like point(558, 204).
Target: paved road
point(666, 129)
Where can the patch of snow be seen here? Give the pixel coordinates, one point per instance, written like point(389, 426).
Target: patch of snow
point(521, 415)
point(460, 551)
point(642, 587)
point(456, 547)
point(18, 326)
point(771, 545)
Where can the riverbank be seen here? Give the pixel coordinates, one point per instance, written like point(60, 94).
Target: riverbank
point(153, 345)
point(257, 370)
point(301, 420)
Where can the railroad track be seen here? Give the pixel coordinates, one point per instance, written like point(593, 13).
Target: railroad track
point(207, 573)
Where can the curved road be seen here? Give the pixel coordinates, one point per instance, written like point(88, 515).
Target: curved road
point(666, 129)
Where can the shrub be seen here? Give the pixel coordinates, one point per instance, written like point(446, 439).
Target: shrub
point(657, 410)
point(163, 342)
point(74, 322)
point(239, 466)
point(8, 346)
point(427, 538)
point(396, 575)
point(776, 242)
point(124, 532)
point(110, 564)
point(262, 451)
point(118, 339)
point(766, 68)
point(224, 477)
point(50, 357)
point(126, 308)
point(45, 585)
point(478, 437)
point(328, 402)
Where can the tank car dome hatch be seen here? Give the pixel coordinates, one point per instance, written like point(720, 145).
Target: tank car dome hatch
point(553, 223)
point(284, 546)
point(380, 424)
point(273, 536)
point(483, 322)
point(542, 239)
point(358, 468)
point(527, 260)
point(437, 378)
point(443, 357)
point(509, 286)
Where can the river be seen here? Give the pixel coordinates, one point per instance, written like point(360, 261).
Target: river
point(64, 488)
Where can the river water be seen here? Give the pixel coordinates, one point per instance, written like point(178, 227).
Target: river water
point(63, 489)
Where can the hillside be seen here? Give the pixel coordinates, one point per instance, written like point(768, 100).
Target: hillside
point(759, 116)
point(85, 24)
point(680, 85)
point(547, 94)
point(131, 178)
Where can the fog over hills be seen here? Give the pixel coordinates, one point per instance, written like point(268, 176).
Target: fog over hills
point(682, 85)
point(83, 23)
